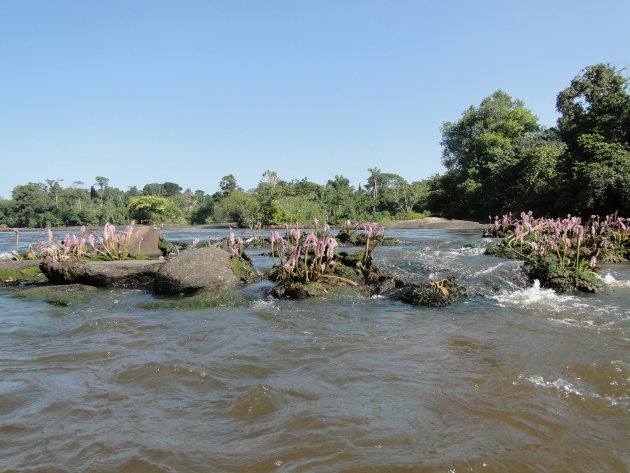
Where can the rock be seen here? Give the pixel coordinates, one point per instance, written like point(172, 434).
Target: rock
point(19, 273)
point(62, 272)
point(128, 273)
point(432, 294)
point(144, 241)
point(207, 268)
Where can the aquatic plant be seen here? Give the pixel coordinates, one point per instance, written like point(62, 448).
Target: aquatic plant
point(110, 245)
point(568, 243)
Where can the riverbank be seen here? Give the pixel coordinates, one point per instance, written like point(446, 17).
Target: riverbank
point(435, 223)
point(421, 223)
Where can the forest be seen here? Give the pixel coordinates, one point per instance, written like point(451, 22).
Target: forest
point(498, 159)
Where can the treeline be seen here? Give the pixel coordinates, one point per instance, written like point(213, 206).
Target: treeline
point(384, 197)
point(498, 159)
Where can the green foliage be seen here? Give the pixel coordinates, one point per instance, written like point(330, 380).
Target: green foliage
point(237, 207)
point(595, 125)
point(490, 152)
point(152, 209)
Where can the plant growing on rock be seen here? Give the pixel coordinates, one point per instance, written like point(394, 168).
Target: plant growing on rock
point(575, 247)
point(111, 245)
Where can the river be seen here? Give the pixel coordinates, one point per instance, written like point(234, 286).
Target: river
point(516, 379)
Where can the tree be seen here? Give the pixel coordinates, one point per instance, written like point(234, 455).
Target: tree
point(595, 125)
point(596, 102)
point(101, 182)
point(237, 207)
point(228, 184)
point(171, 189)
point(153, 209)
point(483, 156)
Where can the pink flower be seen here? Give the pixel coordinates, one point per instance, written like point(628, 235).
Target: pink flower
point(311, 241)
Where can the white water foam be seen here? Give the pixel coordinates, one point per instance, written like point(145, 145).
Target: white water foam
point(559, 384)
point(612, 282)
point(568, 388)
point(537, 298)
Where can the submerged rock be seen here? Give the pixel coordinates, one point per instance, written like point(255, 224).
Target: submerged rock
point(221, 298)
point(66, 295)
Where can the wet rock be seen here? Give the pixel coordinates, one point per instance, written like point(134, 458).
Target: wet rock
point(433, 294)
point(293, 291)
point(200, 269)
point(70, 294)
point(19, 273)
point(128, 273)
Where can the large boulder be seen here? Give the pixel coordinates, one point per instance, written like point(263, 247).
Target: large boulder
point(129, 273)
point(207, 268)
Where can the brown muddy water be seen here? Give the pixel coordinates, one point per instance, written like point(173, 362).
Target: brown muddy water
point(517, 379)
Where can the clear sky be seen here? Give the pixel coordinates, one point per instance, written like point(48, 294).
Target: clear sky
point(190, 91)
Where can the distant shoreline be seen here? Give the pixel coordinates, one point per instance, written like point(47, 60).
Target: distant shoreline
point(426, 223)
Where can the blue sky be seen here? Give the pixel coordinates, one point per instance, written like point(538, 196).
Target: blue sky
point(189, 91)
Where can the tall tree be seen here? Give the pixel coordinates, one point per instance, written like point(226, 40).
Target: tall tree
point(595, 124)
point(483, 154)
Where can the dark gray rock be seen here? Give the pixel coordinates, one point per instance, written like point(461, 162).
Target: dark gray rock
point(207, 268)
point(130, 273)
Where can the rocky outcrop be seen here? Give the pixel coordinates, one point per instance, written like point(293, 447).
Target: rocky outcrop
point(207, 268)
point(129, 273)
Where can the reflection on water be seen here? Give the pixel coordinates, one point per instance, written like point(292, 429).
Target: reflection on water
point(517, 379)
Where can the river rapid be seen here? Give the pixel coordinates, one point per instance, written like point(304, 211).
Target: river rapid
point(516, 379)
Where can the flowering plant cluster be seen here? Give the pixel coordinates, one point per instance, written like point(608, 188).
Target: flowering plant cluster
point(307, 257)
point(575, 244)
point(304, 257)
point(110, 245)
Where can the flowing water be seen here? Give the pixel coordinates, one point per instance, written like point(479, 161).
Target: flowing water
point(516, 379)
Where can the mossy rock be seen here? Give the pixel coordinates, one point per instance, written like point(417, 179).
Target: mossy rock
point(21, 277)
point(244, 269)
point(201, 301)
point(551, 275)
point(71, 294)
